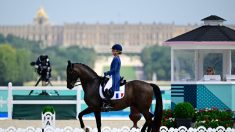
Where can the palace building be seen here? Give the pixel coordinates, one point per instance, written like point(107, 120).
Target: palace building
point(134, 37)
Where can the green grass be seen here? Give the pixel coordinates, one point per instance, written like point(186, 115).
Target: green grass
point(127, 71)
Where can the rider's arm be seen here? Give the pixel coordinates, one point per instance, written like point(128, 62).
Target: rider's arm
point(113, 68)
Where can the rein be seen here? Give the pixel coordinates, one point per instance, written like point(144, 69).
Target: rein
point(78, 84)
point(81, 82)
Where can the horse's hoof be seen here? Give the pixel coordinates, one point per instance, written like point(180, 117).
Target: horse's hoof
point(86, 129)
point(142, 130)
point(134, 127)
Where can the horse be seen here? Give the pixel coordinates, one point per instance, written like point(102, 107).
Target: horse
point(138, 95)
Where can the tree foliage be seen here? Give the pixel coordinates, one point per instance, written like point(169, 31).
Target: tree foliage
point(8, 72)
point(23, 59)
point(156, 59)
point(16, 55)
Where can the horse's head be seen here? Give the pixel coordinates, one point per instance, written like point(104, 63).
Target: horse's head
point(72, 75)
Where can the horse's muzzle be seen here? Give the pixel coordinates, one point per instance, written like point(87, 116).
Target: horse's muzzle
point(70, 87)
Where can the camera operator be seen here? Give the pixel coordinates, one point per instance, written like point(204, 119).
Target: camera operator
point(43, 67)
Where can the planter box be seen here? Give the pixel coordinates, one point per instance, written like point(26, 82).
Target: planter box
point(187, 122)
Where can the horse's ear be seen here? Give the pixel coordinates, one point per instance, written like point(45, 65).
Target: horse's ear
point(70, 65)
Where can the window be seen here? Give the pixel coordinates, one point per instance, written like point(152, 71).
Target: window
point(214, 61)
point(233, 62)
point(184, 65)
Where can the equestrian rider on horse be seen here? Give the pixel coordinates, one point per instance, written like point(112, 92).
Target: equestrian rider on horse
point(114, 72)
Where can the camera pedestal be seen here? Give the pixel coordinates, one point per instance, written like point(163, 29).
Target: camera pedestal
point(44, 83)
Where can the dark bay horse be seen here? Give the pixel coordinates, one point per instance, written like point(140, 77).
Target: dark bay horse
point(138, 94)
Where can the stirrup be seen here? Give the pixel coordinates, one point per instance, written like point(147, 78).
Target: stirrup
point(106, 108)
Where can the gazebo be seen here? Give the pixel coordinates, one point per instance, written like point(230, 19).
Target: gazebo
point(211, 46)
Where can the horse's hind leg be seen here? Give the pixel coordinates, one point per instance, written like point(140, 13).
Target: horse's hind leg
point(134, 116)
point(81, 114)
point(148, 117)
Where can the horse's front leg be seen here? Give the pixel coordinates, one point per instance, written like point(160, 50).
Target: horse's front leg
point(81, 114)
point(98, 120)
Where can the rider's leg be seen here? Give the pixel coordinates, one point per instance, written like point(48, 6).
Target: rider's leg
point(109, 91)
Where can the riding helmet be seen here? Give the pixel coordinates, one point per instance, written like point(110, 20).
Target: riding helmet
point(117, 47)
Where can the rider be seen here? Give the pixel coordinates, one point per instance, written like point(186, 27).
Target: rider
point(114, 73)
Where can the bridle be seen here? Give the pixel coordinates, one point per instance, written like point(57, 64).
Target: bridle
point(80, 83)
point(72, 72)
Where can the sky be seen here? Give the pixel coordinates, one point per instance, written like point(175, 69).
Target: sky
point(181, 12)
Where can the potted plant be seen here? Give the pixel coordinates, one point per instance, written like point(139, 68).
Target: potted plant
point(184, 113)
point(48, 119)
point(48, 109)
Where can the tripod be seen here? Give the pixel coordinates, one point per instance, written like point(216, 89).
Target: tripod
point(44, 83)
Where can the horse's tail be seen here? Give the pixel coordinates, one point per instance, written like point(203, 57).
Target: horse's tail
point(156, 124)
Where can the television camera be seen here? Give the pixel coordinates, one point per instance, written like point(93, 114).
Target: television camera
point(43, 68)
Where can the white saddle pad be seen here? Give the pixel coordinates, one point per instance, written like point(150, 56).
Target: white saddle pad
point(117, 94)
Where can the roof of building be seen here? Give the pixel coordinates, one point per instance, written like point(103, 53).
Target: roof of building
point(41, 13)
point(213, 17)
point(207, 33)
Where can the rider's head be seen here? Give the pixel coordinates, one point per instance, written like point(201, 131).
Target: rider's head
point(116, 49)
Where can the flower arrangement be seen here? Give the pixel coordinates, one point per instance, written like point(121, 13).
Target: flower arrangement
point(213, 117)
point(168, 119)
point(209, 117)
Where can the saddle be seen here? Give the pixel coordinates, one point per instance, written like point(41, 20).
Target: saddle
point(105, 80)
point(108, 93)
point(122, 81)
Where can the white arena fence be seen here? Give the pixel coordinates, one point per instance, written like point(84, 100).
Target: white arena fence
point(123, 129)
point(78, 102)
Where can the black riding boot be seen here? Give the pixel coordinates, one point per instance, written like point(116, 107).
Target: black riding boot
point(107, 101)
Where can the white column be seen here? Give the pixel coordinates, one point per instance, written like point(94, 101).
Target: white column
point(226, 62)
point(196, 71)
point(229, 62)
point(172, 64)
point(200, 64)
point(10, 100)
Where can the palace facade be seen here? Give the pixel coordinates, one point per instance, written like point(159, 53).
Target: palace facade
point(134, 37)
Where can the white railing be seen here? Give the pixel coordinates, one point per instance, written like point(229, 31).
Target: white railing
point(78, 102)
point(10, 100)
point(123, 129)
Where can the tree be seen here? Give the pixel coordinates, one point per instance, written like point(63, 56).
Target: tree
point(2, 38)
point(20, 43)
point(23, 59)
point(156, 59)
point(8, 70)
point(27, 51)
point(59, 57)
